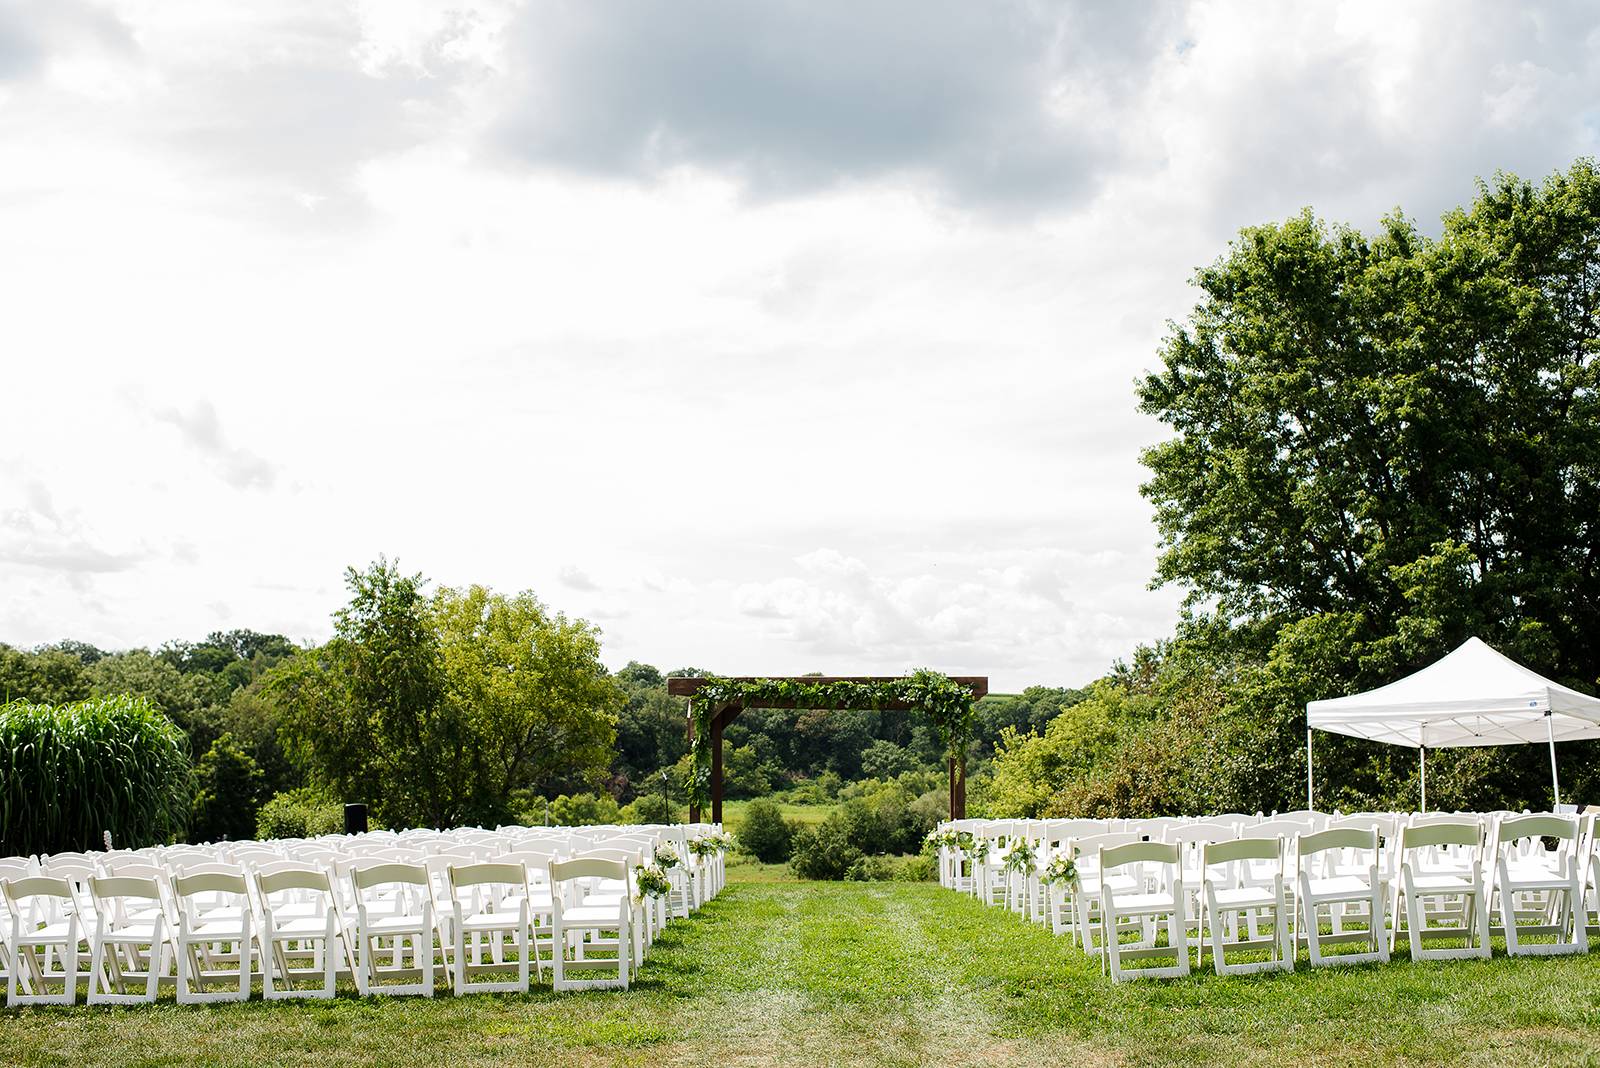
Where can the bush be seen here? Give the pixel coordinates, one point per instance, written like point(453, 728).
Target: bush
point(579, 810)
point(301, 813)
point(765, 834)
point(824, 853)
point(228, 793)
point(71, 772)
point(648, 808)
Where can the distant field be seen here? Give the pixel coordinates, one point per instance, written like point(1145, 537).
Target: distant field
point(810, 815)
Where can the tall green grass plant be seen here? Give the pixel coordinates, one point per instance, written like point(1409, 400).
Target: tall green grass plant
point(71, 772)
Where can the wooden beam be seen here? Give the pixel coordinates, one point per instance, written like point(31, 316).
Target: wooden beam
point(682, 686)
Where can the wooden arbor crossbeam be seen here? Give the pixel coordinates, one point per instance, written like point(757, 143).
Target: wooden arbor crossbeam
point(728, 712)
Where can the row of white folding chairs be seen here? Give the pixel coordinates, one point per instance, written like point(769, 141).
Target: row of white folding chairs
point(291, 918)
point(1440, 866)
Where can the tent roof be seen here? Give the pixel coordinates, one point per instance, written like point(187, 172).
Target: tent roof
point(1472, 696)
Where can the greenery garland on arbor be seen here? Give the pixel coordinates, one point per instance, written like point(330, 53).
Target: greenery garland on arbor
point(947, 704)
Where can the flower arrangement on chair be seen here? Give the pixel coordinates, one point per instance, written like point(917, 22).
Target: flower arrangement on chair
point(1062, 870)
point(651, 881)
point(1021, 859)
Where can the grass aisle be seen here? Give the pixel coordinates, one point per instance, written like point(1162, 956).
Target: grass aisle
point(815, 973)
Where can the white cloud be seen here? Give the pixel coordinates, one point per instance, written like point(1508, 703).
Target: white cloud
point(817, 365)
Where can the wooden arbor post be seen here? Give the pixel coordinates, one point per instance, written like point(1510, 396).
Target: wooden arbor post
point(977, 685)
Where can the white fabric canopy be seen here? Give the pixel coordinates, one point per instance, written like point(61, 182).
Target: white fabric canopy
point(1472, 696)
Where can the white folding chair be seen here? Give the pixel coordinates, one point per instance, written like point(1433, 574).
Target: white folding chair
point(489, 902)
point(1148, 866)
point(303, 936)
point(46, 937)
point(403, 914)
point(206, 931)
point(573, 922)
point(1442, 879)
point(1347, 886)
point(133, 916)
point(1553, 879)
point(1235, 901)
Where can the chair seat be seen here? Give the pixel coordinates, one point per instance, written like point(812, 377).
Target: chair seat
point(583, 914)
point(490, 921)
point(385, 925)
point(1443, 882)
point(50, 933)
point(1340, 888)
point(133, 931)
point(1246, 897)
point(1140, 904)
point(207, 930)
point(299, 926)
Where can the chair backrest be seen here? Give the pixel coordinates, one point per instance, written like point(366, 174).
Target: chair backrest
point(1281, 825)
point(294, 877)
point(110, 886)
point(500, 873)
point(35, 886)
point(1562, 828)
point(1117, 856)
point(1255, 847)
point(1309, 845)
point(1092, 845)
point(587, 867)
point(391, 872)
point(211, 882)
point(1432, 834)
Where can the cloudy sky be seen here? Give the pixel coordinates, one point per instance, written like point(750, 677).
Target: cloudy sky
point(771, 337)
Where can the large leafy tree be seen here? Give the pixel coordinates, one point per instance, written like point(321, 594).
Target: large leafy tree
point(529, 684)
point(1401, 430)
point(369, 715)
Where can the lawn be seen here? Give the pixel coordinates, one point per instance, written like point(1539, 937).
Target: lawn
point(889, 973)
point(810, 815)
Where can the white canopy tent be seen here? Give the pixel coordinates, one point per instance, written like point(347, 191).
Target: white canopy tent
point(1472, 696)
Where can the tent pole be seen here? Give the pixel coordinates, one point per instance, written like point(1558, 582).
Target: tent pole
point(1555, 781)
point(1424, 768)
point(1309, 781)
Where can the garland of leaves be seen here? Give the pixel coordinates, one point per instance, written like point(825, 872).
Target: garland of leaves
point(946, 703)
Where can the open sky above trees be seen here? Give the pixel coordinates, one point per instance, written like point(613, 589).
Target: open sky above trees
point(747, 349)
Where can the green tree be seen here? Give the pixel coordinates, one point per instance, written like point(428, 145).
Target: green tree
point(1382, 446)
point(764, 833)
point(228, 793)
point(46, 676)
point(539, 704)
point(369, 715)
point(1358, 418)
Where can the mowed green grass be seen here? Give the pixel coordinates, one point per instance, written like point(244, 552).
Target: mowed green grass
point(799, 973)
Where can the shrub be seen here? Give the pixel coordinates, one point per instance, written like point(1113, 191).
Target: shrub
point(648, 808)
point(824, 853)
point(301, 813)
point(228, 793)
point(578, 810)
point(765, 834)
point(71, 772)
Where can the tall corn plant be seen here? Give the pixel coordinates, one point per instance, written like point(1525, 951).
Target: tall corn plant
point(71, 772)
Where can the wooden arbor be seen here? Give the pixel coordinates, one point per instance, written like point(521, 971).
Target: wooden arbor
point(727, 713)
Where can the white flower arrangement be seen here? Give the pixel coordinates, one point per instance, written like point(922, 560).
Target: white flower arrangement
point(651, 881)
point(1059, 870)
point(666, 857)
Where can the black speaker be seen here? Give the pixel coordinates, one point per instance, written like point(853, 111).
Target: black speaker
point(355, 819)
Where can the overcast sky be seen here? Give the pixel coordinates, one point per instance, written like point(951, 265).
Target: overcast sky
point(771, 337)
